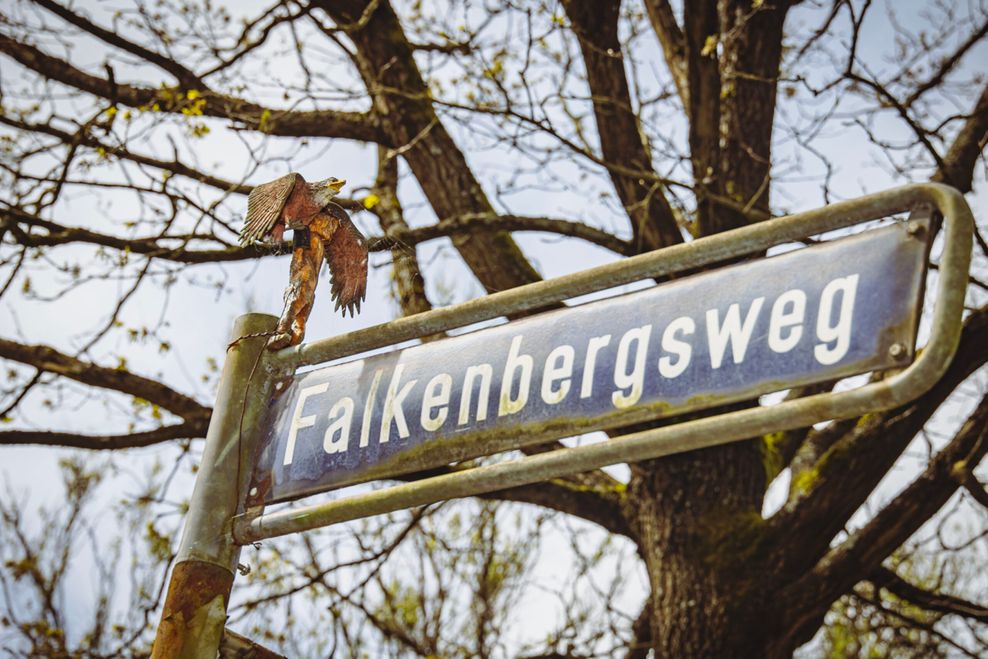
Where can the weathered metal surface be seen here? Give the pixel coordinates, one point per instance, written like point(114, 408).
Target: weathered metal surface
point(893, 391)
point(242, 393)
point(194, 613)
point(824, 312)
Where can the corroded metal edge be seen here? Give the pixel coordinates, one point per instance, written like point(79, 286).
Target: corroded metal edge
point(194, 612)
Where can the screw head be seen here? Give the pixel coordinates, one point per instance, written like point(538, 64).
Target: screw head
point(897, 351)
point(915, 229)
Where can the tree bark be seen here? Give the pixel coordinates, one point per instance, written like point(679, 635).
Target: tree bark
point(698, 517)
point(402, 102)
point(749, 70)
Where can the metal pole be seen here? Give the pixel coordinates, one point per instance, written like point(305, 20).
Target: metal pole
point(194, 613)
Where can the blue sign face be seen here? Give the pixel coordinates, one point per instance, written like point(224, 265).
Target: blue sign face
point(815, 314)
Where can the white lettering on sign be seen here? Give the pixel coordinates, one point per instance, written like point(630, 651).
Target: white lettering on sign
point(683, 350)
point(622, 369)
point(595, 344)
point(486, 374)
point(517, 363)
point(365, 423)
point(392, 406)
point(558, 369)
point(337, 437)
point(785, 327)
point(633, 379)
point(436, 398)
point(839, 332)
point(299, 421)
point(732, 331)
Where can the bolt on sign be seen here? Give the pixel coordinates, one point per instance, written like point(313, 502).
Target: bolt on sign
point(814, 314)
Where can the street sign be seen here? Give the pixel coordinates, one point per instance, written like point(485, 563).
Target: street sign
point(814, 314)
point(818, 313)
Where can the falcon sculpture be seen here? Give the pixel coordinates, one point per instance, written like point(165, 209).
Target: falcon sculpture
point(322, 230)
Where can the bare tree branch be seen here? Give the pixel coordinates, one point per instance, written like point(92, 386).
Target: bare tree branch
point(601, 508)
point(750, 55)
point(87, 139)
point(492, 222)
point(653, 223)
point(185, 77)
point(957, 168)
point(194, 428)
point(852, 466)
point(386, 60)
point(314, 123)
point(939, 602)
point(154, 246)
point(974, 487)
point(805, 601)
point(673, 44)
point(49, 360)
point(947, 65)
point(701, 24)
point(409, 285)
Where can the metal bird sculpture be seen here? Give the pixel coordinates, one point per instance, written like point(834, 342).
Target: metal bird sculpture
point(322, 230)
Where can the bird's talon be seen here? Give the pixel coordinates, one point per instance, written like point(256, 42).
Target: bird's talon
point(279, 341)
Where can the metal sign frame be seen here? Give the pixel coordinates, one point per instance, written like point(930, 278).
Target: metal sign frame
point(219, 521)
point(711, 431)
point(659, 351)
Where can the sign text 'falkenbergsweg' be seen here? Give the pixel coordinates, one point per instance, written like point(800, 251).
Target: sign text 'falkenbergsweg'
point(814, 314)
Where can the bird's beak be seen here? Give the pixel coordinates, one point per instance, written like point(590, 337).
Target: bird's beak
point(336, 185)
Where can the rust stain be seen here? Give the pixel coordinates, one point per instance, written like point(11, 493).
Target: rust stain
point(187, 624)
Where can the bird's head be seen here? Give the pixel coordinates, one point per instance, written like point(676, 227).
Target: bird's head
point(323, 191)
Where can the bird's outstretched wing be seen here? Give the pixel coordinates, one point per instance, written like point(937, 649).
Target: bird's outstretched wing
point(346, 255)
point(264, 206)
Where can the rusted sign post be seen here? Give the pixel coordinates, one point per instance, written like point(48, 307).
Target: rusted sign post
point(819, 313)
point(194, 614)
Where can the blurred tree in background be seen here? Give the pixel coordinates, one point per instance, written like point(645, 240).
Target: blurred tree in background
point(509, 140)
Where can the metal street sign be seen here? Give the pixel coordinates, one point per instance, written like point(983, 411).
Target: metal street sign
point(237, 424)
point(823, 312)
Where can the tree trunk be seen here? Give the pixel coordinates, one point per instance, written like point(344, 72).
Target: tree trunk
point(699, 517)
